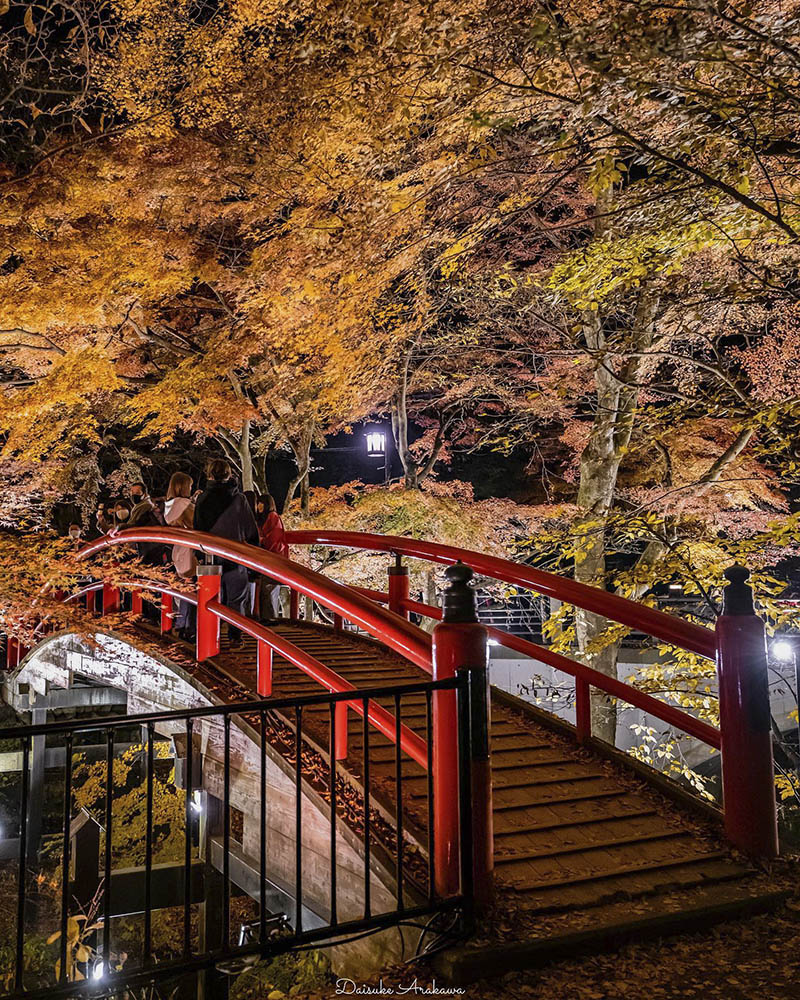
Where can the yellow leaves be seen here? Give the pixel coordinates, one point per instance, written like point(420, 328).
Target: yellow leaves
point(28, 21)
point(58, 411)
point(605, 172)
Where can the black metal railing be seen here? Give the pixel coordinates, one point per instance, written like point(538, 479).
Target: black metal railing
point(66, 941)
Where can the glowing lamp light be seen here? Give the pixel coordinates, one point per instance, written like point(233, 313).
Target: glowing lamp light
point(197, 801)
point(98, 971)
point(376, 444)
point(782, 650)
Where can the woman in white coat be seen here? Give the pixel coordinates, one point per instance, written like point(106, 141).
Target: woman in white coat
point(179, 513)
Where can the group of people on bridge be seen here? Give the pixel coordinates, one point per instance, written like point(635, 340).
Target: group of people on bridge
point(220, 509)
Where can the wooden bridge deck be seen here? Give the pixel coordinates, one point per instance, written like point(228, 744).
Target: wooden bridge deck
point(572, 830)
point(581, 841)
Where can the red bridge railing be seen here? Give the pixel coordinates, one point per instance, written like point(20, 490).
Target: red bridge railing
point(737, 644)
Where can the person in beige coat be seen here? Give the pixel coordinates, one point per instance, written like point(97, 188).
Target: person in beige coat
point(179, 513)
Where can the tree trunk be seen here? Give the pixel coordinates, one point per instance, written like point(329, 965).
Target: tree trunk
point(616, 404)
point(301, 447)
point(246, 457)
point(400, 435)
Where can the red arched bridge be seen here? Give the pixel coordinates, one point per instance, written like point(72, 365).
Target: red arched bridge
point(466, 797)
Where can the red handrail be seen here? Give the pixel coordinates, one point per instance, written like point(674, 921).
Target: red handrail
point(394, 631)
point(384, 721)
point(695, 638)
point(618, 689)
point(381, 719)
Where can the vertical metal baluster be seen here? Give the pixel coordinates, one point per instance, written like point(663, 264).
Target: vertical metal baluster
point(431, 844)
point(226, 837)
point(148, 851)
point(332, 793)
point(107, 866)
point(23, 861)
point(367, 881)
point(62, 978)
point(187, 846)
point(262, 896)
point(398, 772)
point(298, 825)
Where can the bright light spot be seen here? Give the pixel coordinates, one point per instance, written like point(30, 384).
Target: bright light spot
point(97, 971)
point(376, 443)
point(675, 586)
point(493, 642)
point(197, 801)
point(782, 650)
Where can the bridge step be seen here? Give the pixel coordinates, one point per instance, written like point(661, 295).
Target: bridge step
point(605, 928)
point(574, 833)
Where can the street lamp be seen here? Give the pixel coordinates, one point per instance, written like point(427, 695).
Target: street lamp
point(376, 444)
point(376, 448)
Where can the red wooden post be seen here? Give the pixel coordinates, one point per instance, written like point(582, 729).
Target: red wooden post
point(338, 624)
point(748, 777)
point(398, 586)
point(166, 613)
point(208, 584)
point(136, 602)
point(583, 709)
point(294, 605)
point(12, 652)
point(91, 601)
point(110, 599)
point(264, 669)
point(459, 641)
point(340, 750)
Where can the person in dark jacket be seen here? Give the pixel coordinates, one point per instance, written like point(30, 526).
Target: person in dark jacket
point(222, 509)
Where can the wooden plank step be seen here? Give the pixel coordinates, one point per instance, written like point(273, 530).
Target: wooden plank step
point(545, 821)
point(600, 789)
point(613, 925)
point(597, 845)
point(547, 774)
point(519, 756)
point(633, 885)
point(631, 868)
point(547, 755)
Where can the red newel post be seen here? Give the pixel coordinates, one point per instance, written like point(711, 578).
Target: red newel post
point(748, 778)
point(136, 602)
point(111, 599)
point(264, 669)
point(460, 642)
point(294, 605)
point(208, 584)
point(398, 586)
point(340, 748)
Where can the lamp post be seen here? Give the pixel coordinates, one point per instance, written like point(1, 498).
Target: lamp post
point(376, 448)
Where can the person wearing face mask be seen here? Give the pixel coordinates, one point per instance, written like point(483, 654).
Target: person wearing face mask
point(143, 511)
point(105, 519)
point(122, 514)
